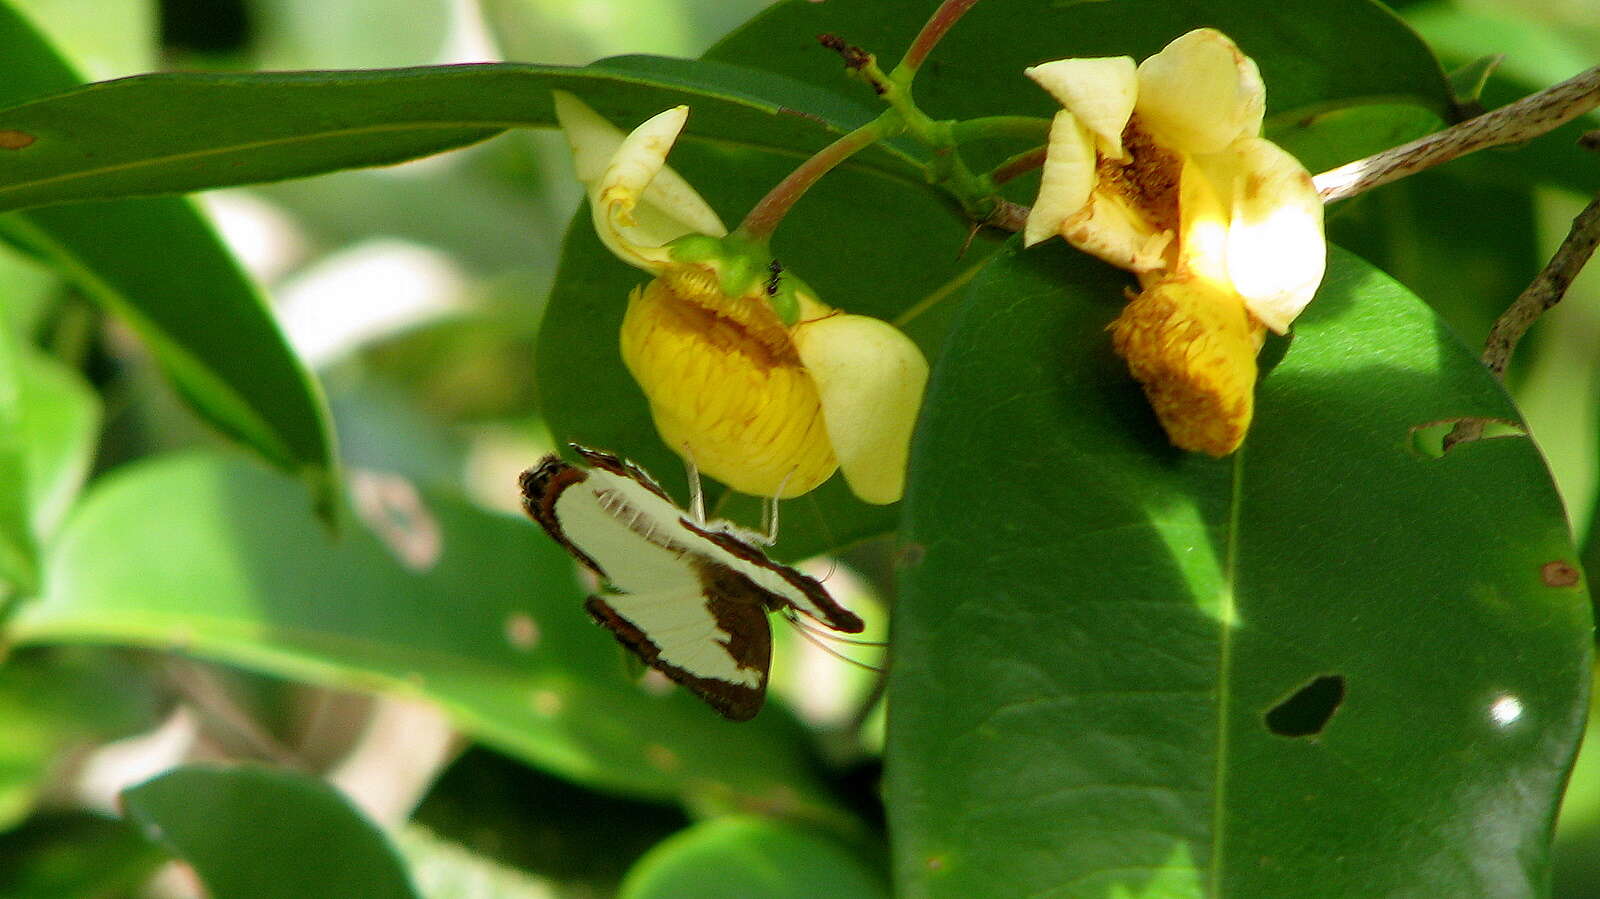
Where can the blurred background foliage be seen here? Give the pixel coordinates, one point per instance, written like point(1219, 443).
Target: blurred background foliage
point(416, 292)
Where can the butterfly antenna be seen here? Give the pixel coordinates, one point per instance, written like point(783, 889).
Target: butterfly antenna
point(816, 641)
point(804, 625)
point(697, 495)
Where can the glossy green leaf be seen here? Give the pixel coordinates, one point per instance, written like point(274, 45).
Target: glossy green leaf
point(426, 595)
point(257, 832)
point(737, 858)
point(158, 265)
point(169, 133)
point(1329, 660)
point(1304, 48)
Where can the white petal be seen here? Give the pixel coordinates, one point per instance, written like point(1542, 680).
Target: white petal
point(593, 139)
point(1100, 92)
point(638, 203)
point(1065, 181)
point(1200, 93)
point(869, 377)
point(1276, 248)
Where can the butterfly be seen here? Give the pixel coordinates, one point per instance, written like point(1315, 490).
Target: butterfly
point(688, 597)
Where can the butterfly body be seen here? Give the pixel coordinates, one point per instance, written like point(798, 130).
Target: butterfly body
point(689, 598)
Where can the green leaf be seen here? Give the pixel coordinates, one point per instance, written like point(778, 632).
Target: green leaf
point(51, 703)
point(1329, 659)
point(161, 267)
point(250, 831)
point(60, 427)
point(75, 857)
point(426, 595)
point(735, 858)
point(169, 133)
point(19, 551)
point(1536, 57)
point(1302, 46)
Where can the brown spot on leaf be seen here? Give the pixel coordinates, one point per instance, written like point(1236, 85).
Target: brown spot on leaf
point(1558, 574)
point(909, 555)
point(15, 140)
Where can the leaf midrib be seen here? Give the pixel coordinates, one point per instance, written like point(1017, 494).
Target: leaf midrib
point(1226, 614)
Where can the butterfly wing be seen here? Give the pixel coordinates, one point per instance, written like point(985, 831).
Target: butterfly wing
point(716, 646)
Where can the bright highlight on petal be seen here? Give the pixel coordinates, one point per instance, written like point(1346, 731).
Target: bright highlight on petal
point(1276, 249)
point(1223, 228)
point(1200, 93)
point(1100, 92)
point(870, 378)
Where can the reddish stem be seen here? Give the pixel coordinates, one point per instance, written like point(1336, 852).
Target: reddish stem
point(942, 20)
point(764, 217)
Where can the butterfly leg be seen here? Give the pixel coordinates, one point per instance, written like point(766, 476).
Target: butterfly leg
point(697, 495)
point(769, 512)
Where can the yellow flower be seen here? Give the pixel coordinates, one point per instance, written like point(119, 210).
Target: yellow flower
point(1160, 169)
point(768, 403)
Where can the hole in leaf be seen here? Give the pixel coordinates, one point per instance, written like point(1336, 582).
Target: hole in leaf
point(1306, 712)
point(1427, 440)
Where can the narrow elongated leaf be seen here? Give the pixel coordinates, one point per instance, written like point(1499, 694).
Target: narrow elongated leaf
point(169, 133)
point(162, 268)
point(1329, 659)
point(255, 832)
point(477, 611)
point(734, 858)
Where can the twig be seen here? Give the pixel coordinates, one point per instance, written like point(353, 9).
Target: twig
point(1547, 289)
point(942, 20)
point(1527, 118)
point(763, 219)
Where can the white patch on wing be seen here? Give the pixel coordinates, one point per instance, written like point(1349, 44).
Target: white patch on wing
point(685, 632)
point(631, 533)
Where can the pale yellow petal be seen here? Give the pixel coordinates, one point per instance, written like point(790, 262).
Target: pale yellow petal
point(1200, 93)
point(870, 378)
point(639, 204)
point(1107, 229)
point(1065, 180)
point(1100, 92)
point(1203, 227)
point(1276, 248)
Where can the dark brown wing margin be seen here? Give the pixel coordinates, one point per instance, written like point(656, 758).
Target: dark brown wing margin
point(541, 486)
point(837, 617)
point(750, 646)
